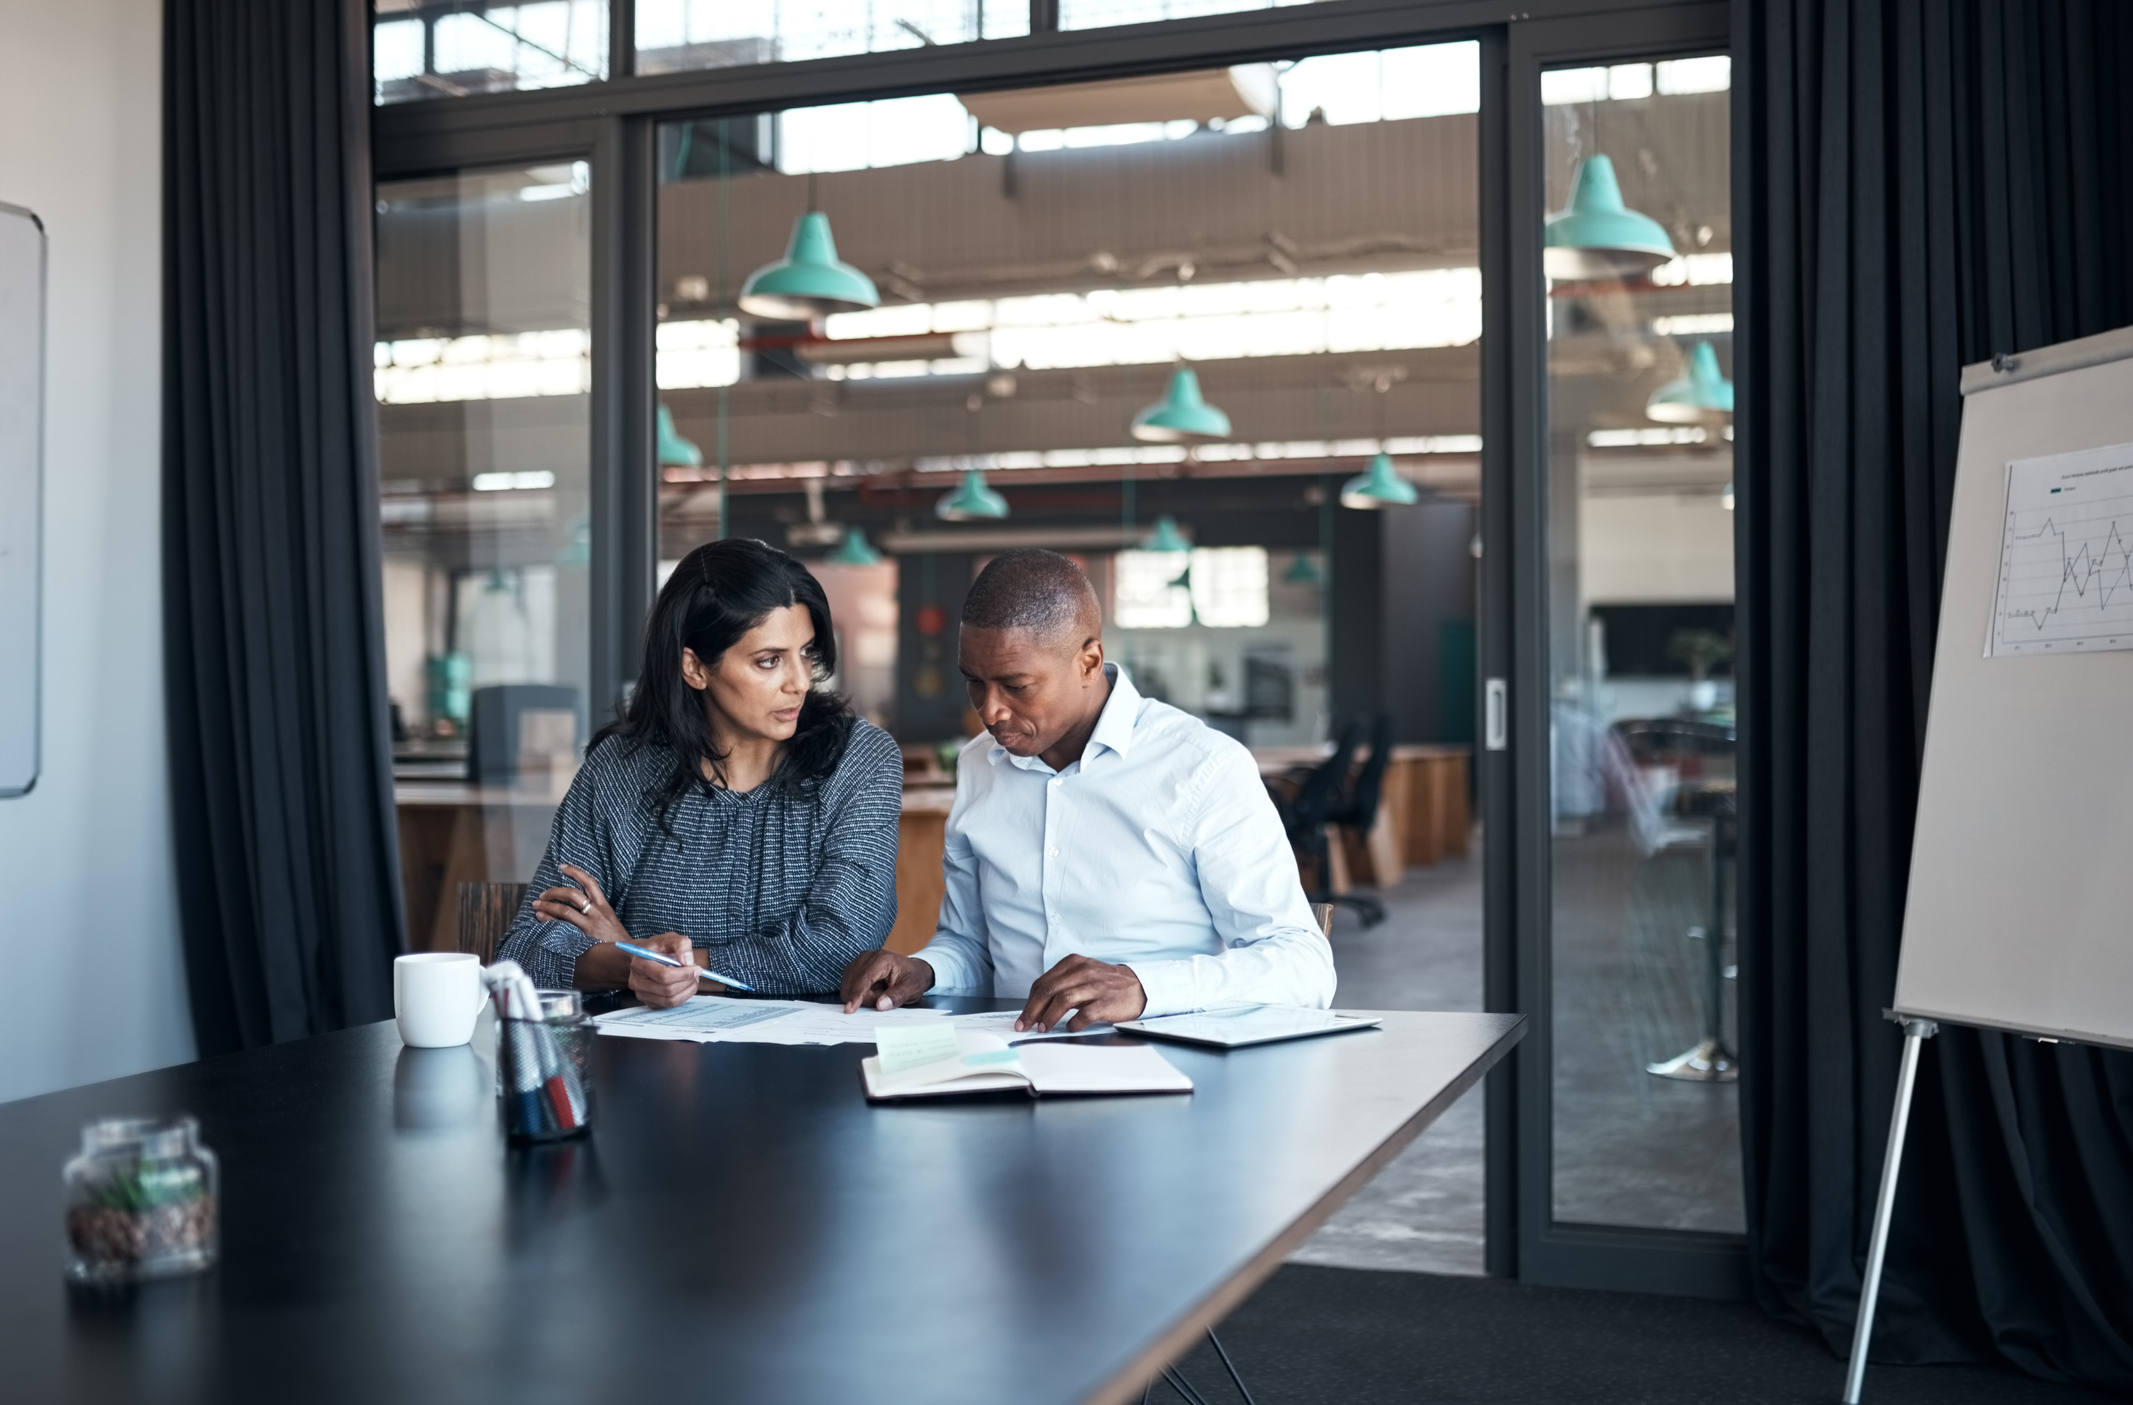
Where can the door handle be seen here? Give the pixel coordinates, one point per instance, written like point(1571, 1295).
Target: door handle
point(1497, 707)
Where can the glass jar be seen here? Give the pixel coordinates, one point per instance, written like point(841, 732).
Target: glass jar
point(544, 1070)
point(141, 1201)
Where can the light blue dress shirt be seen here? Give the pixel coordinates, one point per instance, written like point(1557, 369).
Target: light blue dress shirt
point(1159, 849)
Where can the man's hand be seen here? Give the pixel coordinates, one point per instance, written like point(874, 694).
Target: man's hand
point(884, 980)
point(662, 987)
point(1099, 991)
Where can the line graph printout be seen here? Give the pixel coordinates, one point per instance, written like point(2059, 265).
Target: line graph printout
point(2066, 555)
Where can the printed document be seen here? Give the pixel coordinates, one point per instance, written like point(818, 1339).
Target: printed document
point(718, 1019)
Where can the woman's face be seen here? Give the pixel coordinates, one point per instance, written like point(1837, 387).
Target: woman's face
point(756, 687)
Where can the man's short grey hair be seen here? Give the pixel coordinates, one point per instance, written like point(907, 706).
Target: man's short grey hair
point(1029, 589)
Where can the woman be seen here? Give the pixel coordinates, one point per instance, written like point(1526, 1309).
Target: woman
point(736, 816)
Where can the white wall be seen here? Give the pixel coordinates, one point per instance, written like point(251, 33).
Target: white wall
point(1647, 548)
point(89, 943)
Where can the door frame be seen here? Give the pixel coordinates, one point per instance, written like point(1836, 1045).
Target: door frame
point(1520, 962)
point(613, 125)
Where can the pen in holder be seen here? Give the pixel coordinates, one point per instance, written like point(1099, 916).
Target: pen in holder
point(543, 1057)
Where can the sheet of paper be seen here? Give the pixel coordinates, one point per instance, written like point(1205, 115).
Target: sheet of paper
point(718, 1019)
point(1084, 1068)
point(703, 1017)
point(2066, 555)
point(1002, 1023)
point(914, 1045)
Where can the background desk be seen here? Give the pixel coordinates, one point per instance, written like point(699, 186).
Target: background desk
point(1423, 814)
point(453, 833)
point(381, 1243)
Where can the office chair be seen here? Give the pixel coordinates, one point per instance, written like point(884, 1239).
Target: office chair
point(1304, 816)
point(486, 912)
point(1359, 811)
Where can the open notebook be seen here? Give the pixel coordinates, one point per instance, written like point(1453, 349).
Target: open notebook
point(920, 1062)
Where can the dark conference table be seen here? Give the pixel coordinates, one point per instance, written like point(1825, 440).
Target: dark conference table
point(741, 1226)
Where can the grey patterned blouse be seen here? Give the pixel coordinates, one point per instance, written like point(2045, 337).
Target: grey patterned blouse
point(782, 889)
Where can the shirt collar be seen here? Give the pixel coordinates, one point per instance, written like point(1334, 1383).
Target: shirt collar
point(1114, 725)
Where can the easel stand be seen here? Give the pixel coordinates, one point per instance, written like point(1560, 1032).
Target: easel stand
point(1915, 1033)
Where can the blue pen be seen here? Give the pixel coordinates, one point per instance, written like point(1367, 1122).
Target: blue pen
point(665, 960)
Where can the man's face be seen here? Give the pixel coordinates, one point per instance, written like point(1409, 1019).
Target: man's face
point(1028, 690)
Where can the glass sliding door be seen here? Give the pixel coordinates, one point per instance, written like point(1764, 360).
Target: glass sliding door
point(1629, 1169)
point(483, 378)
point(1640, 641)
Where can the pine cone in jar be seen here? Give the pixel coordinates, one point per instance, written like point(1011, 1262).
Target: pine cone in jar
point(108, 1234)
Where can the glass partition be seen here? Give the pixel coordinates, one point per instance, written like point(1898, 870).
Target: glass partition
point(682, 34)
point(449, 48)
point(1640, 607)
point(1034, 286)
point(483, 378)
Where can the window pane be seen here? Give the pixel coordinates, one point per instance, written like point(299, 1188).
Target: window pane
point(483, 367)
point(448, 48)
point(1095, 14)
point(1045, 260)
point(1640, 603)
point(683, 34)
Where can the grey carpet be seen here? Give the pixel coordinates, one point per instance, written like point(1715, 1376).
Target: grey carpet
point(1387, 1338)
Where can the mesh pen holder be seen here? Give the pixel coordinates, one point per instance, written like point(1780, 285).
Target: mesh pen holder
point(544, 1068)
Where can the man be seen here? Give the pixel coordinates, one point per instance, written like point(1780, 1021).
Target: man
point(1107, 854)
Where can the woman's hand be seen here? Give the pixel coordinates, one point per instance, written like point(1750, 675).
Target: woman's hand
point(583, 907)
point(659, 986)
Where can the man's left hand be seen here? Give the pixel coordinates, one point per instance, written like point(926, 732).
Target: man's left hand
point(1095, 990)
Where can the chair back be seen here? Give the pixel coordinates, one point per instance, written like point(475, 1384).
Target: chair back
point(1324, 913)
point(1322, 788)
point(485, 914)
point(1361, 810)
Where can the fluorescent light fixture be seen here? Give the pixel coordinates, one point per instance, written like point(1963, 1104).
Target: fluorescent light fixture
point(504, 482)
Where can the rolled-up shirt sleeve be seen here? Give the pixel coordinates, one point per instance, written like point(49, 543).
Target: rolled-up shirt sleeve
point(1273, 952)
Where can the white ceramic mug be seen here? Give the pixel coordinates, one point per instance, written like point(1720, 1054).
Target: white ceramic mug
point(437, 996)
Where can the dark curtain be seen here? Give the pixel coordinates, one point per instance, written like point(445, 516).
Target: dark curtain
point(274, 657)
point(1918, 185)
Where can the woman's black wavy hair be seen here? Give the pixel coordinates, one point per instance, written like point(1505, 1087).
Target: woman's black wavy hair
point(716, 595)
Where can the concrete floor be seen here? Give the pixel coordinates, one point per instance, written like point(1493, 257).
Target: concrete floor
point(1631, 1149)
point(1423, 1213)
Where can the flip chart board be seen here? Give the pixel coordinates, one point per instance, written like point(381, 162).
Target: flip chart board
point(2020, 914)
point(21, 493)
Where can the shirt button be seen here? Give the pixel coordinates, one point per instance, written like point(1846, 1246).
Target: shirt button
point(1055, 782)
point(1052, 852)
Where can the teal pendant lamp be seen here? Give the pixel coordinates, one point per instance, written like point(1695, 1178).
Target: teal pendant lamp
point(854, 550)
point(1378, 486)
point(1301, 572)
point(973, 500)
point(673, 449)
point(1700, 396)
point(1166, 536)
point(1181, 417)
point(1599, 236)
point(810, 281)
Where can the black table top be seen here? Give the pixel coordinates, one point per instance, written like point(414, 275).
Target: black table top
point(741, 1226)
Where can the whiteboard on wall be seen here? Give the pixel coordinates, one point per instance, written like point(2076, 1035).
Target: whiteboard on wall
point(2020, 914)
point(22, 258)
